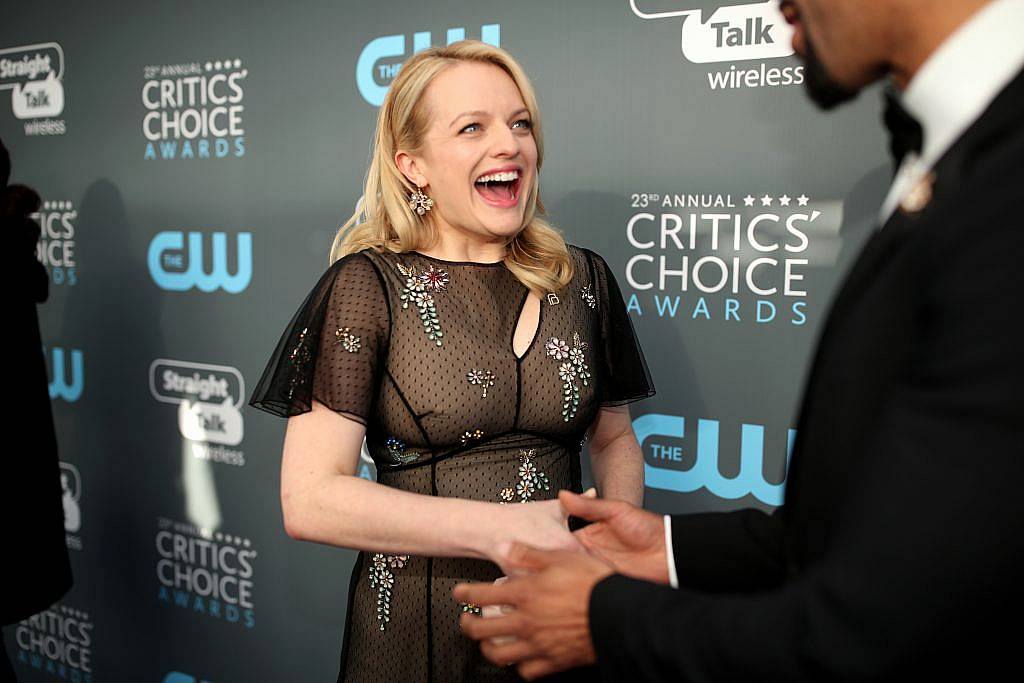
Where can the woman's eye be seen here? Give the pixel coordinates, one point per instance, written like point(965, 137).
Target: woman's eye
point(523, 123)
point(471, 128)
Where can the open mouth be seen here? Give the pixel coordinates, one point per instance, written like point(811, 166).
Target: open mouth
point(500, 187)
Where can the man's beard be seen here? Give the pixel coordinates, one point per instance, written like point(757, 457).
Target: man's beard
point(823, 90)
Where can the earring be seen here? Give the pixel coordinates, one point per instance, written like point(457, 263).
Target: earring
point(420, 202)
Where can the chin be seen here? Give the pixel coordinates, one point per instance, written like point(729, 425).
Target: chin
point(825, 90)
point(507, 227)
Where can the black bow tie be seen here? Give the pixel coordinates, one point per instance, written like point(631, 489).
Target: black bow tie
point(905, 132)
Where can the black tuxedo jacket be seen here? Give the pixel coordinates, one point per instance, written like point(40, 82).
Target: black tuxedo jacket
point(900, 547)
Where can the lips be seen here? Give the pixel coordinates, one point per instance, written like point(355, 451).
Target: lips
point(499, 187)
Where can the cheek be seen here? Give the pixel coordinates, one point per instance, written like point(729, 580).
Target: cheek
point(529, 150)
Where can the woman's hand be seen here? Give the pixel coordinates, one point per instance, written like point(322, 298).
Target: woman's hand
point(630, 539)
point(541, 524)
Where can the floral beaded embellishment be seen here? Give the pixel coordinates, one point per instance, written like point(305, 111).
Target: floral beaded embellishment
point(484, 378)
point(383, 579)
point(348, 341)
point(468, 436)
point(570, 372)
point(418, 290)
point(299, 357)
point(530, 479)
point(470, 608)
point(396, 449)
point(588, 296)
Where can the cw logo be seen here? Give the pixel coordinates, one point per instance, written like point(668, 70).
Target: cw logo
point(178, 677)
point(369, 71)
point(59, 386)
point(176, 269)
point(705, 473)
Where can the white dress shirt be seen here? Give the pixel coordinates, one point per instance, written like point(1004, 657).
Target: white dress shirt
point(956, 84)
point(947, 94)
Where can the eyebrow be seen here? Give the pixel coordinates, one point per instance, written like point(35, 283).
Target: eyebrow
point(478, 112)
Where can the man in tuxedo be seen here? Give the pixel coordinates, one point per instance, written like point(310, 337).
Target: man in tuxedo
point(899, 550)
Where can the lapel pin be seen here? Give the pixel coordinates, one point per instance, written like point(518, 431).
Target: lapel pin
point(919, 195)
point(552, 299)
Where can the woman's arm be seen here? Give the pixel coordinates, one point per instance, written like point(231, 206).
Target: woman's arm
point(615, 458)
point(324, 501)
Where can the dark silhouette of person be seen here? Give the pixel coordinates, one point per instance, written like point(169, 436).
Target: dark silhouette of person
point(37, 569)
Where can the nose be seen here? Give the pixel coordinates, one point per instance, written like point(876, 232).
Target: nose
point(504, 142)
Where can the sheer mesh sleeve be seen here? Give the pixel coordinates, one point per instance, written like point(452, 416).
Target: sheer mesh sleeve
point(626, 376)
point(334, 346)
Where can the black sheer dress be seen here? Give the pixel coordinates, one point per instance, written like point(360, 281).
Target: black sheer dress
point(419, 350)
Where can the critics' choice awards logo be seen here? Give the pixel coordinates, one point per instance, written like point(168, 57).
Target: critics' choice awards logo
point(675, 460)
point(382, 57)
point(733, 32)
point(56, 247)
point(209, 400)
point(205, 572)
point(734, 260)
point(178, 267)
point(67, 372)
point(35, 76)
point(57, 642)
point(71, 492)
point(193, 110)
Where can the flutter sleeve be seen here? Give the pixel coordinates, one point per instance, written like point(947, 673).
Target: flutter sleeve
point(625, 377)
point(333, 349)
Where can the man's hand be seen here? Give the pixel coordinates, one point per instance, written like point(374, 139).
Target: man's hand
point(628, 538)
point(548, 629)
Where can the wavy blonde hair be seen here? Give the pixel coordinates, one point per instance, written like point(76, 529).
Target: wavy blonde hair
point(537, 255)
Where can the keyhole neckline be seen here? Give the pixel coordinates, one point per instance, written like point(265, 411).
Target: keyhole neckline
point(518, 318)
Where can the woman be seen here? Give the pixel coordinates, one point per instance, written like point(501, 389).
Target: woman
point(472, 347)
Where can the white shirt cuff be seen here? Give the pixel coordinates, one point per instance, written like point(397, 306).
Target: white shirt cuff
point(671, 558)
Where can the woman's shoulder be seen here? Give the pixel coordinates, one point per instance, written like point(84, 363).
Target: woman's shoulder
point(585, 256)
point(359, 272)
point(366, 261)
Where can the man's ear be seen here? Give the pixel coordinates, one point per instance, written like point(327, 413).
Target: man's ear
point(411, 168)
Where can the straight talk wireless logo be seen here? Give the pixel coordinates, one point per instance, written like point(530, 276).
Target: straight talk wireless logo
point(734, 32)
point(34, 74)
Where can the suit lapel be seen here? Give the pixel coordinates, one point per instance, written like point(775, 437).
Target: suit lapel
point(1003, 113)
point(1001, 119)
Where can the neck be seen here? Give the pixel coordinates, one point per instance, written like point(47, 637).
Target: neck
point(923, 26)
point(453, 244)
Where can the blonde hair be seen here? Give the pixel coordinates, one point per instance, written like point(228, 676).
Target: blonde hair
point(537, 255)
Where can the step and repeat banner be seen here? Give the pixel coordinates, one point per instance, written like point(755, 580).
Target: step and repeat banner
point(195, 160)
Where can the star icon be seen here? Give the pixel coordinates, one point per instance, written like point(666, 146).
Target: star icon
point(766, 200)
point(238, 63)
point(748, 200)
point(216, 65)
point(802, 200)
point(784, 200)
point(208, 66)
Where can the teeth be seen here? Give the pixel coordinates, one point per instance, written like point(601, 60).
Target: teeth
point(503, 177)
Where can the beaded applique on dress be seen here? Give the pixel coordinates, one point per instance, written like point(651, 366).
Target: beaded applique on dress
point(419, 289)
point(572, 373)
point(382, 578)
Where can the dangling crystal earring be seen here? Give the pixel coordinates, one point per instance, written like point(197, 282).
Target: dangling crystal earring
point(420, 202)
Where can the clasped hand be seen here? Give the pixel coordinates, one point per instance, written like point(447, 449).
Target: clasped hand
point(541, 612)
